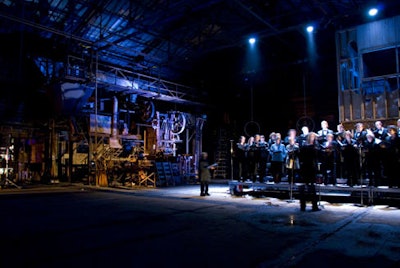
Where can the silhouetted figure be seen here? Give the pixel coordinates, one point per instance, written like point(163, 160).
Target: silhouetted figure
point(392, 157)
point(240, 158)
point(308, 168)
point(251, 159)
point(351, 158)
point(328, 158)
point(263, 149)
point(371, 168)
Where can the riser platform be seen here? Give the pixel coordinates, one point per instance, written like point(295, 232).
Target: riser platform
point(338, 193)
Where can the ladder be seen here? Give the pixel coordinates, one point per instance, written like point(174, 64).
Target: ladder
point(222, 155)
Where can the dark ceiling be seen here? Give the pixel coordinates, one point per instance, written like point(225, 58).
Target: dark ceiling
point(190, 42)
point(167, 38)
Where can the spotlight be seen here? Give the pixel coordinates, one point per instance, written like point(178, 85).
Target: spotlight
point(252, 40)
point(310, 29)
point(372, 12)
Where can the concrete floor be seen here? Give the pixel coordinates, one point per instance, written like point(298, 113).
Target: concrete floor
point(88, 226)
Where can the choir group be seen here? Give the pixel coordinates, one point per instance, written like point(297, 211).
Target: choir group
point(353, 157)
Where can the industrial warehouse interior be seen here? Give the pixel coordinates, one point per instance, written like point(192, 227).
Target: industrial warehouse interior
point(116, 101)
point(84, 82)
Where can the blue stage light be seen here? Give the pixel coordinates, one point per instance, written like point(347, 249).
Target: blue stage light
point(252, 40)
point(373, 12)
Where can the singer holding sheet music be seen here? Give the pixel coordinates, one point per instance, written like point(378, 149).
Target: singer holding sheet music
point(204, 173)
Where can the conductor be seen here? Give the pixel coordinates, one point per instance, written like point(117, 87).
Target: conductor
point(308, 168)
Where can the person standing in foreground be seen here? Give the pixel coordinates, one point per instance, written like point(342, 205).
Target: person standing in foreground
point(308, 168)
point(204, 174)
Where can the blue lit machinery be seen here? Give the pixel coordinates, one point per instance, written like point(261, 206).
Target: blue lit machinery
point(172, 136)
point(175, 129)
point(168, 127)
point(124, 125)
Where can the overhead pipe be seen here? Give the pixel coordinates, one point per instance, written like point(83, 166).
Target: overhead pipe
point(114, 143)
point(114, 123)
